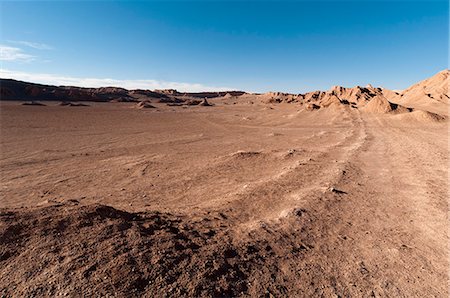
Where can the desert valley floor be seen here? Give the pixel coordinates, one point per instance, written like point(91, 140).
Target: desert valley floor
point(243, 199)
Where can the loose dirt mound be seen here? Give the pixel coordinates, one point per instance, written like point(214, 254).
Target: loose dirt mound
point(98, 250)
point(379, 104)
point(422, 116)
point(145, 105)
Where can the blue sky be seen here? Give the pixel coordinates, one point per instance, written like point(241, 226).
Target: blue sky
point(292, 46)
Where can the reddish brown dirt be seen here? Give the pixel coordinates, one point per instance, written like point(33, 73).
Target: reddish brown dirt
point(230, 200)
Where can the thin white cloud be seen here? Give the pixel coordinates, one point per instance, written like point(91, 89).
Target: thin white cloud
point(34, 45)
point(99, 82)
point(8, 53)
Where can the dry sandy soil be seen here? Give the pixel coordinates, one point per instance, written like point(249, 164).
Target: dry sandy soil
point(263, 200)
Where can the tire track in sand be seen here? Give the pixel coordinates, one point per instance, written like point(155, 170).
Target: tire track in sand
point(275, 198)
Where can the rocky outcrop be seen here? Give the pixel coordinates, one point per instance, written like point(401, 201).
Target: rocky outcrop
point(18, 90)
point(434, 89)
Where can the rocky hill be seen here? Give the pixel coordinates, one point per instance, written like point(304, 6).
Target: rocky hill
point(18, 90)
point(429, 92)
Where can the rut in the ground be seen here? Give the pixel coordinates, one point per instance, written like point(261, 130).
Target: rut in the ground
point(312, 176)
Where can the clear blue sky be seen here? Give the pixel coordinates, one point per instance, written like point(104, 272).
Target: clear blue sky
point(292, 46)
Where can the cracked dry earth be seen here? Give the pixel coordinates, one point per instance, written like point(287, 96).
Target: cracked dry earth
point(221, 201)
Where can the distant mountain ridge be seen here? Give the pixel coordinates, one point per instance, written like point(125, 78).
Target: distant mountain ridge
point(434, 90)
point(18, 90)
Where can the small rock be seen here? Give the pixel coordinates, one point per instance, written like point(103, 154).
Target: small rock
point(205, 103)
point(335, 190)
point(299, 211)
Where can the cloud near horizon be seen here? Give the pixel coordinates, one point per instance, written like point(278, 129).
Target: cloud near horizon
point(59, 80)
point(30, 44)
point(8, 53)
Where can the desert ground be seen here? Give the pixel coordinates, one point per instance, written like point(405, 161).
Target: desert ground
point(246, 197)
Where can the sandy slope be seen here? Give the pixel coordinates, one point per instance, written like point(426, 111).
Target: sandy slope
point(431, 94)
point(229, 200)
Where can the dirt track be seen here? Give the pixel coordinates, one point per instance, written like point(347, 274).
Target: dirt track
point(260, 200)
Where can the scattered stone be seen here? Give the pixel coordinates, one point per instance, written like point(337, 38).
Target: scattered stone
point(299, 211)
point(193, 102)
point(73, 201)
point(33, 103)
point(335, 190)
point(71, 104)
point(205, 103)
